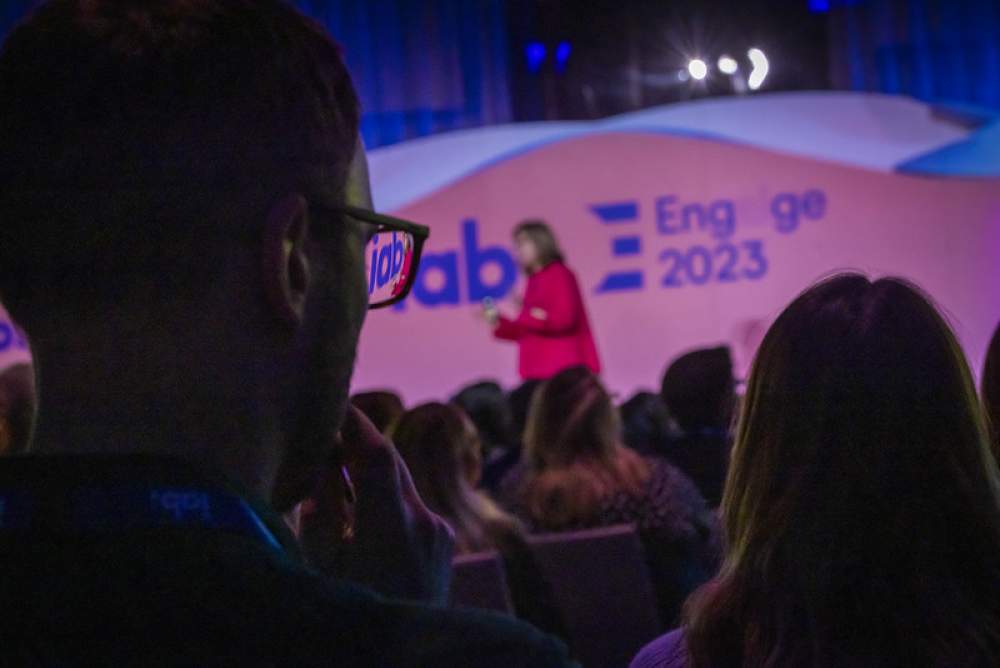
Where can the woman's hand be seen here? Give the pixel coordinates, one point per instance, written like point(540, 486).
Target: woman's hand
point(490, 313)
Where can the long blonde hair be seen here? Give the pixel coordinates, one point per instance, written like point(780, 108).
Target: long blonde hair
point(441, 448)
point(573, 452)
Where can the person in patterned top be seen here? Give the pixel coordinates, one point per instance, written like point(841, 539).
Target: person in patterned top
point(576, 474)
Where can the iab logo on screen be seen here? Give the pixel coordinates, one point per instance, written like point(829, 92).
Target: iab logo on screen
point(492, 272)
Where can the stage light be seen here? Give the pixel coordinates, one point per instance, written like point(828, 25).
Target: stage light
point(534, 53)
point(562, 55)
point(727, 65)
point(697, 69)
point(760, 68)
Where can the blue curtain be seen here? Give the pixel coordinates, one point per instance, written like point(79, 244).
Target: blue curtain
point(421, 66)
point(11, 12)
point(934, 50)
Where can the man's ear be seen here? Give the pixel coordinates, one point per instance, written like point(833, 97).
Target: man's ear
point(284, 261)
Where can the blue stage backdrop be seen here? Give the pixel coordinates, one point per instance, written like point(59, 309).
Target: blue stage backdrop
point(934, 50)
point(422, 67)
point(429, 66)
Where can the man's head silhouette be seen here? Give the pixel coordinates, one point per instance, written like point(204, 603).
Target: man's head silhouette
point(166, 171)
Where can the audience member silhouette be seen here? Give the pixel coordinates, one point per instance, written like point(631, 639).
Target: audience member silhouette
point(382, 407)
point(441, 448)
point(486, 405)
point(577, 474)
point(646, 423)
point(174, 243)
point(698, 390)
point(861, 513)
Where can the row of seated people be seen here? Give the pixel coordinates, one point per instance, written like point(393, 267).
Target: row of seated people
point(582, 463)
point(574, 473)
point(689, 423)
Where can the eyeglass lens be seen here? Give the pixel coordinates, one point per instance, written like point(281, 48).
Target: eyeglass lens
point(388, 262)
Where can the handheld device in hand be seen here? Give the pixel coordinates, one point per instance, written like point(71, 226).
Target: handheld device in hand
point(490, 311)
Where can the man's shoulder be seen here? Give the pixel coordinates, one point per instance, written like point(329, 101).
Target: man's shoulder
point(325, 621)
point(226, 600)
point(404, 633)
point(667, 651)
point(210, 592)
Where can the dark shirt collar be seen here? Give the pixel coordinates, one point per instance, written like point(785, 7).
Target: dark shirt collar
point(119, 493)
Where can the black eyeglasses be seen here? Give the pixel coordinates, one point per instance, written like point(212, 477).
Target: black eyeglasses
point(392, 255)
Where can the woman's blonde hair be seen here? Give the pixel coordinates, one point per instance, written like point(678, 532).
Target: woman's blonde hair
point(574, 455)
point(441, 449)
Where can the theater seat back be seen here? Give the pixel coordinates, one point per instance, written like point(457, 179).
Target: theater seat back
point(480, 581)
point(601, 584)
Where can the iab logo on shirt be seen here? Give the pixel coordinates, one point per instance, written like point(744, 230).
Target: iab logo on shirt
point(182, 504)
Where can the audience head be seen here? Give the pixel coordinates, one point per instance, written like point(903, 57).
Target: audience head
point(486, 405)
point(440, 446)
point(861, 510)
point(382, 407)
point(991, 391)
point(573, 449)
point(145, 239)
point(520, 399)
point(645, 420)
point(536, 245)
point(571, 418)
point(698, 389)
point(17, 408)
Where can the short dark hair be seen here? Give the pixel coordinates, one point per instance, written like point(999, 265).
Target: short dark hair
point(698, 389)
point(382, 407)
point(137, 137)
point(486, 405)
point(645, 421)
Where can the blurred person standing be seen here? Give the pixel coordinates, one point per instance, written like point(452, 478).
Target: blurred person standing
point(552, 330)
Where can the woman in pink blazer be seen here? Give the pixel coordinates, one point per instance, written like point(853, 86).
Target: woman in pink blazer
point(552, 330)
